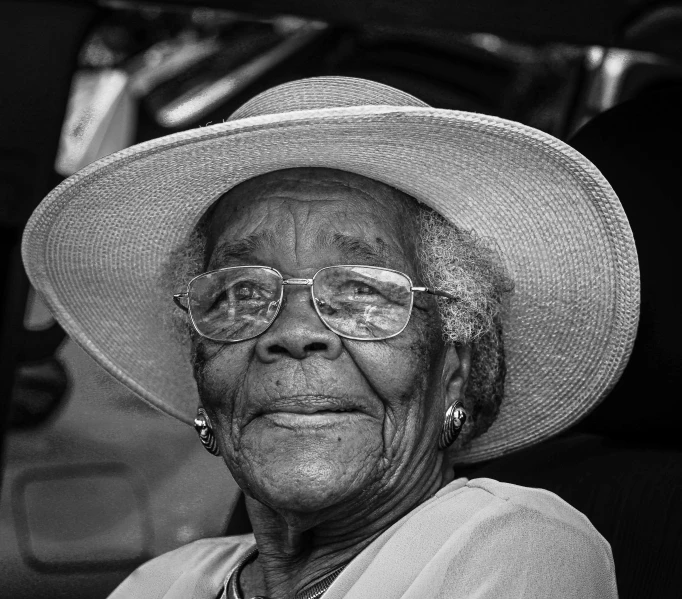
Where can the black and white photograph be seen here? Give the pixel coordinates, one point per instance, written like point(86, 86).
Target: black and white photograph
point(322, 299)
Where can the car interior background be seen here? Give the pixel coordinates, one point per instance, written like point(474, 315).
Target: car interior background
point(94, 482)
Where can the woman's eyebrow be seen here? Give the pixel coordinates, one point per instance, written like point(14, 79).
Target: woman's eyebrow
point(354, 248)
point(242, 249)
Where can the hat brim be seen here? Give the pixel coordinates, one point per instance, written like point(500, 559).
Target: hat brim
point(96, 245)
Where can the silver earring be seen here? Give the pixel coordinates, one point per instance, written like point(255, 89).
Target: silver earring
point(454, 421)
point(203, 426)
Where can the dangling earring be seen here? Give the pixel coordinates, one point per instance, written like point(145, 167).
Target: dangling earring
point(203, 426)
point(455, 418)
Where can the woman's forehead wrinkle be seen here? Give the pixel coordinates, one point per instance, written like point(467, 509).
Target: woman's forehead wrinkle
point(354, 249)
point(313, 212)
point(242, 249)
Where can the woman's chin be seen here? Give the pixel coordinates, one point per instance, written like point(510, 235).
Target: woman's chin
point(307, 495)
point(309, 474)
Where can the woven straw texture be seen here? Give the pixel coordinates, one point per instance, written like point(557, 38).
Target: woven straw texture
point(95, 245)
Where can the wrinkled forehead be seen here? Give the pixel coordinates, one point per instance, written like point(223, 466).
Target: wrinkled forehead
point(314, 205)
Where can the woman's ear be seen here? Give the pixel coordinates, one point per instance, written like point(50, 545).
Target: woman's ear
point(456, 368)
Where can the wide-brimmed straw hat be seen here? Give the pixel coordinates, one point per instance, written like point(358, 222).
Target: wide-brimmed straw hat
point(96, 245)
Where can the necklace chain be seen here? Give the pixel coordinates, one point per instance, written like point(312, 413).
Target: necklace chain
point(318, 589)
point(231, 589)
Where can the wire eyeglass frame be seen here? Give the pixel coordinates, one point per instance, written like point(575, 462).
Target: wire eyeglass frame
point(179, 297)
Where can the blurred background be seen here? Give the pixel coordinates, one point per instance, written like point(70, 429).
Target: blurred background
point(94, 482)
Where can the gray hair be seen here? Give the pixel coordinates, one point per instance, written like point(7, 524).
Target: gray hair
point(468, 267)
point(449, 258)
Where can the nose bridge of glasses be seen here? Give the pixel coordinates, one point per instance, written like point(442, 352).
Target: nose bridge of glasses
point(307, 282)
point(293, 283)
point(298, 308)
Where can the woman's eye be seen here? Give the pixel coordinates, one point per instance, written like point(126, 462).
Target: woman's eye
point(243, 293)
point(247, 292)
point(361, 289)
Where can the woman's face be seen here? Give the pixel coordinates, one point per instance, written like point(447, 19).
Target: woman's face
point(307, 420)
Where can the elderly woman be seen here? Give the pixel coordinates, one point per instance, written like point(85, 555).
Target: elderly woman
point(322, 285)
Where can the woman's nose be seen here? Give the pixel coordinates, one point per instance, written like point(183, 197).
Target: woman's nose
point(298, 332)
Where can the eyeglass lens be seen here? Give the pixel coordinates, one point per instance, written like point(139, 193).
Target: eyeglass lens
point(360, 302)
point(363, 302)
point(235, 303)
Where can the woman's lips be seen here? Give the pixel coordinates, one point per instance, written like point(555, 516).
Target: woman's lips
point(312, 411)
point(315, 420)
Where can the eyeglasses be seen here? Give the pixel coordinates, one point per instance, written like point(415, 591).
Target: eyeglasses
point(356, 302)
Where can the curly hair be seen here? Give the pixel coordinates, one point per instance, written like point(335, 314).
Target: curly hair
point(469, 268)
point(449, 258)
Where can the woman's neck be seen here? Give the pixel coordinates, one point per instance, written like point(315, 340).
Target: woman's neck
point(296, 550)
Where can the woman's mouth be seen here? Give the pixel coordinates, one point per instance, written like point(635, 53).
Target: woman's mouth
point(315, 420)
point(312, 412)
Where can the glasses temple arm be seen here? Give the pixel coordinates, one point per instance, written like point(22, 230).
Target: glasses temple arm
point(177, 299)
point(437, 292)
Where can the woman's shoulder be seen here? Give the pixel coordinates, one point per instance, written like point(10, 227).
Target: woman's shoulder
point(194, 570)
point(486, 539)
point(531, 502)
point(202, 553)
point(506, 507)
point(532, 530)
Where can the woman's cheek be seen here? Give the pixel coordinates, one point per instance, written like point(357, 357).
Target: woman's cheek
point(394, 368)
point(220, 370)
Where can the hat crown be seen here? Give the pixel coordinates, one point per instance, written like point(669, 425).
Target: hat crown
point(324, 92)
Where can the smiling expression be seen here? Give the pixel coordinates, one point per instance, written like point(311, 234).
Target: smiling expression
point(307, 420)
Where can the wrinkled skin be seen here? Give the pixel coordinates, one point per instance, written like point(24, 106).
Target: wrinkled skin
point(332, 440)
